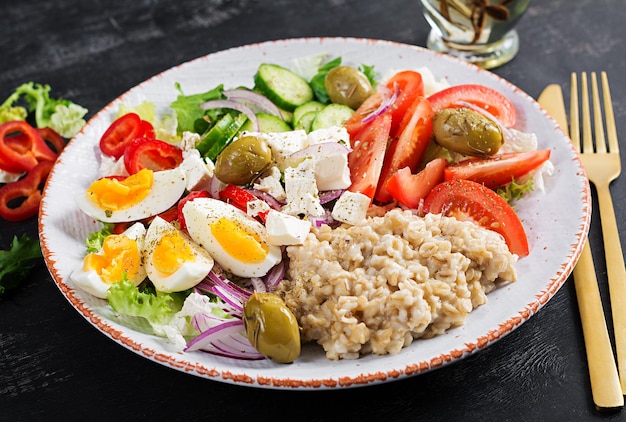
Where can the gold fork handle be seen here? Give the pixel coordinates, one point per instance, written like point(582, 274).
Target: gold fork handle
point(605, 386)
point(616, 274)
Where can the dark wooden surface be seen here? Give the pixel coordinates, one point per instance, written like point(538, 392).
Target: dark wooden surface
point(54, 365)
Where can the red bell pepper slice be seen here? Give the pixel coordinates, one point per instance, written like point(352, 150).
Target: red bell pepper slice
point(238, 197)
point(122, 132)
point(152, 154)
point(27, 190)
point(22, 147)
point(53, 138)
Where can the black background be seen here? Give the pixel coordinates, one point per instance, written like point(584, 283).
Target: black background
point(53, 364)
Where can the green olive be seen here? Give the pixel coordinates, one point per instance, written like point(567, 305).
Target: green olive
point(348, 86)
point(243, 160)
point(271, 327)
point(467, 132)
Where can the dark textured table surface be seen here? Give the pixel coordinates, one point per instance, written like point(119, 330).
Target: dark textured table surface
point(54, 364)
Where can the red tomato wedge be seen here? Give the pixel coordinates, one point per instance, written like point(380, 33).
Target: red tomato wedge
point(499, 170)
point(409, 147)
point(409, 86)
point(355, 123)
point(122, 132)
point(468, 200)
point(481, 96)
point(410, 189)
point(152, 154)
point(367, 155)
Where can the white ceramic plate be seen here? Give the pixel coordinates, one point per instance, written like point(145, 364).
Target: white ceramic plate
point(555, 236)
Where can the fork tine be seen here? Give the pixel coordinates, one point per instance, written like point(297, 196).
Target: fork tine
point(574, 131)
point(611, 131)
point(587, 145)
point(600, 140)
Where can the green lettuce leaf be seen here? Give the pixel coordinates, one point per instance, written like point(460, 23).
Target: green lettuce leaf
point(17, 262)
point(61, 115)
point(157, 308)
point(187, 108)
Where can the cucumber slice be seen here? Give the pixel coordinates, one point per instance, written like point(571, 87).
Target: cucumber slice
point(282, 86)
point(306, 121)
point(267, 123)
point(332, 115)
point(220, 135)
point(305, 108)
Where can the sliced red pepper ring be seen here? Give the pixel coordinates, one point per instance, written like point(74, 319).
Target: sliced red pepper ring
point(22, 147)
point(152, 154)
point(20, 200)
point(239, 198)
point(122, 132)
point(51, 137)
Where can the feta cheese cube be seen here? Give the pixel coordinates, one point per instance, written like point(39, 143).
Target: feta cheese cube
point(283, 144)
point(351, 207)
point(330, 134)
point(283, 229)
point(301, 191)
point(332, 172)
point(270, 183)
point(198, 172)
point(256, 207)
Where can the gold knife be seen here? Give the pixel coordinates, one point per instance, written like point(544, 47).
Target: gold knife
point(605, 385)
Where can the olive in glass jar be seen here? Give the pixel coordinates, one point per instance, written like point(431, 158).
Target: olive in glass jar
point(243, 160)
point(467, 132)
point(348, 86)
point(271, 327)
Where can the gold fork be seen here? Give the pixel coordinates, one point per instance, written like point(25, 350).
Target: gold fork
point(602, 167)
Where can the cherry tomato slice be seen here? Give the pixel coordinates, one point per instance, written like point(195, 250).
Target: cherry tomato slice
point(468, 200)
point(481, 96)
point(367, 155)
point(499, 170)
point(409, 147)
point(410, 189)
point(122, 132)
point(152, 154)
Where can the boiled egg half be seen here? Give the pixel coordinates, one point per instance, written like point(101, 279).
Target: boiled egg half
point(141, 195)
point(118, 259)
point(237, 242)
point(173, 261)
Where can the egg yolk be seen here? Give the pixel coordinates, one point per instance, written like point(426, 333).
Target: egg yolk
point(119, 258)
point(114, 195)
point(238, 242)
point(171, 252)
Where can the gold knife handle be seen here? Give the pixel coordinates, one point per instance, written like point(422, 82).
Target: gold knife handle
point(605, 385)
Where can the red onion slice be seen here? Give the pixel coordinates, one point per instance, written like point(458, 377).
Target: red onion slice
point(226, 339)
point(388, 99)
point(234, 105)
point(253, 99)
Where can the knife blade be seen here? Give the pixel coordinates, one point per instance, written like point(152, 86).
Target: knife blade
point(605, 386)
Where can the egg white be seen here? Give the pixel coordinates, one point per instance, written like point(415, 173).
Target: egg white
point(167, 189)
point(92, 283)
point(188, 275)
point(202, 212)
